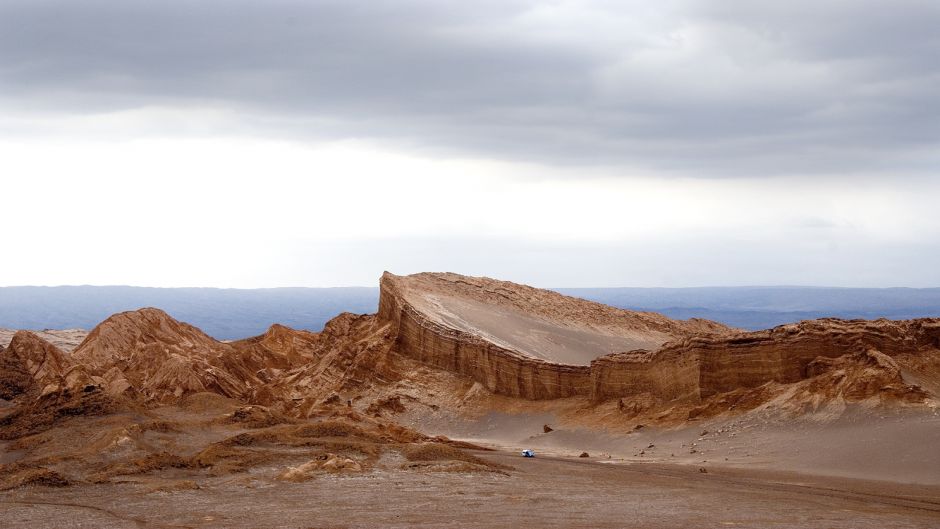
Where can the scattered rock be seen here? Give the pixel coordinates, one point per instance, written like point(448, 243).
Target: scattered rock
point(391, 404)
point(25, 476)
point(546, 428)
point(584, 454)
point(326, 462)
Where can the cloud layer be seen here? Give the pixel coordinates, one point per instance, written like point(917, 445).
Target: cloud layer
point(701, 89)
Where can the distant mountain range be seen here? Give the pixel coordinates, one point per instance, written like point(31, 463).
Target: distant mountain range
point(764, 307)
point(225, 314)
point(228, 314)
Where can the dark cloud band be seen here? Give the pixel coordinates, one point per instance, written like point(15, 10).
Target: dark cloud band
point(710, 89)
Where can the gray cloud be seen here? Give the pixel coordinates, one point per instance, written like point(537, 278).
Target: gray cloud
point(711, 89)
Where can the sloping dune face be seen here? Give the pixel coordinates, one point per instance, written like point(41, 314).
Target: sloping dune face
point(540, 324)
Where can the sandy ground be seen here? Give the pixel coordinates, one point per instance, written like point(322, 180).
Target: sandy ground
point(888, 445)
point(564, 343)
point(540, 492)
point(862, 470)
point(839, 466)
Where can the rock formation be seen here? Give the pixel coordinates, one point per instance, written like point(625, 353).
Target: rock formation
point(164, 359)
point(514, 339)
point(158, 359)
point(530, 343)
point(351, 353)
point(66, 339)
point(702, 366)
point(29, 364)
point(279, 349)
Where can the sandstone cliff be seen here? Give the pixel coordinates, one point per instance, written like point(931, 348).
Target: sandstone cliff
point(530, 343)
point(702, 366)
point(426, 333)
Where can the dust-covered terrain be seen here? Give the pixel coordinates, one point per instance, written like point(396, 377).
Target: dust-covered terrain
point(415, 416)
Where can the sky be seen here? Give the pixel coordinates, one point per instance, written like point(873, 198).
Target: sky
point(560, 144)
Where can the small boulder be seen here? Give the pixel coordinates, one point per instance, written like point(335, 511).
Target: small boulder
point(546, 428)
point(584, 454)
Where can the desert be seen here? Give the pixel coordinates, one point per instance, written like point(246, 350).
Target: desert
point(592, 264)
point(415, 416)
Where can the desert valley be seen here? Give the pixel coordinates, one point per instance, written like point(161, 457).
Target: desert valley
point(416, 416)
point(529, 264)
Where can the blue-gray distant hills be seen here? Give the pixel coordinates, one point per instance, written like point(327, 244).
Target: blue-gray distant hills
point(763, 307)
point(238, 313)
point(225, 314)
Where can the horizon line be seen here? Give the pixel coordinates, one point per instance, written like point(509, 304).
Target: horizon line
point(555, 288)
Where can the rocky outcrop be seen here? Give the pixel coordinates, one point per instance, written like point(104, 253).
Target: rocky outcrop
point(859, 376)
point(518, 341)
point(151, 358)
point(279, 349)
point(33, 367)
point(662, 375)
point(783, 353)
point(29, 364)
point(163, 359)
point(66, 339)
point(505, 336)
point(351, 354)
point(499, 369)
point(702, 366)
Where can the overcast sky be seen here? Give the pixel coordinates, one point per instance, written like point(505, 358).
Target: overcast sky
point(570, 143)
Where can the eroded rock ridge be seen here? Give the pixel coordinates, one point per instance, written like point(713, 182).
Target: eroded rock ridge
point(442, 320)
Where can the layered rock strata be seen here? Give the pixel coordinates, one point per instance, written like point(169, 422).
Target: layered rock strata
point(502, 334)
point(702, 366)
point(432, 323)
point(499, 369)
point(783, 353)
